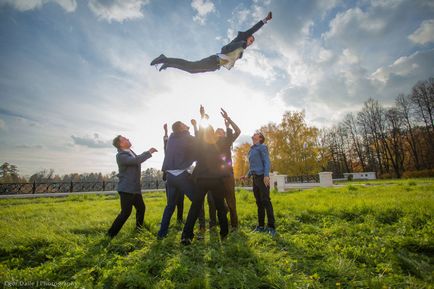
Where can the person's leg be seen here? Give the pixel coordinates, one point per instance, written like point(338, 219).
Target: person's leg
point(218, 191)
point(180, 208)
point(261, 210)
point(139, 204)
point(172, 190)
point(212, 211)
point(229, 183)
point(188, 187)
point(126, 207)
point(210, 63)
point(266, 201)
point(197, 199)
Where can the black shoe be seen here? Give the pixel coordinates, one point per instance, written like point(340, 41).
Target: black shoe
point(185, 241)
point(163, 67)
point(158, 60)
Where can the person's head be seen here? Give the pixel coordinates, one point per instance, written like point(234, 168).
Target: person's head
point(250, 40)
point(220, 132)
point(121, 142)
point(179, 126)
point(209, 135)
point(258, 137)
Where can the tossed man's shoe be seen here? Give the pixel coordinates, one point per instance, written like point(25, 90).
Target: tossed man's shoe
point(158, 60)
point(163, 67)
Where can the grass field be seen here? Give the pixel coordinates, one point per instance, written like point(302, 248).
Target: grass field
point(355, 236)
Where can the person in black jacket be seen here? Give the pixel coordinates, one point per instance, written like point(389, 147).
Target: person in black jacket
point(227, 56)
point(209, 175)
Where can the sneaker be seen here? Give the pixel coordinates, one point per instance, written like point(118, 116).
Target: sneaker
point(158, 60)
point(185, 241)
point(163, 67)
point(259, 229)
point(272, 231)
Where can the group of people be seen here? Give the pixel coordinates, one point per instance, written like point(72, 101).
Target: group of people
point(211, 176)
point(211, 152)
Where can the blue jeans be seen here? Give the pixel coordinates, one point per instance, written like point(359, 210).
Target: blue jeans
point(177, 187)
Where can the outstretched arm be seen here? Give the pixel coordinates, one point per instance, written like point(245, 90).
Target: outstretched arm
point(228, 121)
point(258, 25)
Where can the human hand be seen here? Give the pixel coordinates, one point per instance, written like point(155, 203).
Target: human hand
point(202, 111)
point(152, 150)
point(267, 181)
point(269, 16)
point(224, 114)
point(165, 128)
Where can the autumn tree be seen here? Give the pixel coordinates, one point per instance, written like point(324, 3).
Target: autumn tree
point(241, 161)
point(293, 145)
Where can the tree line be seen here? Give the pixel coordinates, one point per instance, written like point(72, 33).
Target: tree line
point(9, 173)
point(393, 141)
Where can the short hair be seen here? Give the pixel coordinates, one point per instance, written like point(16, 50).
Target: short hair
point(117, 141)
point(176, 126)
point(261, 137)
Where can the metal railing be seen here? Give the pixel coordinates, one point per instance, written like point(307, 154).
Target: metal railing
point(302, 179)
point(69, 187)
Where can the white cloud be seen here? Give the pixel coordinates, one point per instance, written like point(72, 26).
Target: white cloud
point(202, 8)
point(91, 141)
point(25, 5)
point(118, 10)
point(417, 66)
point(2, 124)
point(424, 34)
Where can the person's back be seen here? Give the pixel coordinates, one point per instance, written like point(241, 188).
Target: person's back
point(210, 163)
point(180, 151)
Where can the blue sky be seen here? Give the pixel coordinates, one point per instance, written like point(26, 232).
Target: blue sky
point(74, 74)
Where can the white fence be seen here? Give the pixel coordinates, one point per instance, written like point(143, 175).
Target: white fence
point(279, 182)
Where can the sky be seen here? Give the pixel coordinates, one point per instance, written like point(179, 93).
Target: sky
point(74, 74)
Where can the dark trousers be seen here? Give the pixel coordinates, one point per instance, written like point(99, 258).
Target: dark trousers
point(176, 187)
point(179, 206)
point(231, 205)
point(263, 201)
point(210, 63)
point(215, 187)
point(128, 200)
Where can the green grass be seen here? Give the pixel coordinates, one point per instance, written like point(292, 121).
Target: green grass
point(354, 236)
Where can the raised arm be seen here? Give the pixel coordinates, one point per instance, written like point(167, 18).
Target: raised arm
point(165, 137)
point(229, 121)
point(258, 25)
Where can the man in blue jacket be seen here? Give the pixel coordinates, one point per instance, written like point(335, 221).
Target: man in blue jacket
point(129, 187)
point(180, 154)
point(259, 161)
point(227, 56)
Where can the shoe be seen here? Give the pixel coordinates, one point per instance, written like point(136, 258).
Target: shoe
point(163, 67)
point(158, 60)
point(259, 229)
point(271, 231)
point(185, 241)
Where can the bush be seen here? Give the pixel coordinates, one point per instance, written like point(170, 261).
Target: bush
point(429, 173)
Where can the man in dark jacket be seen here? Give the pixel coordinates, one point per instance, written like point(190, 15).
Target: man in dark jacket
point(227, 56)
point(129, 183)
point(224, 144)
point(180, 154)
